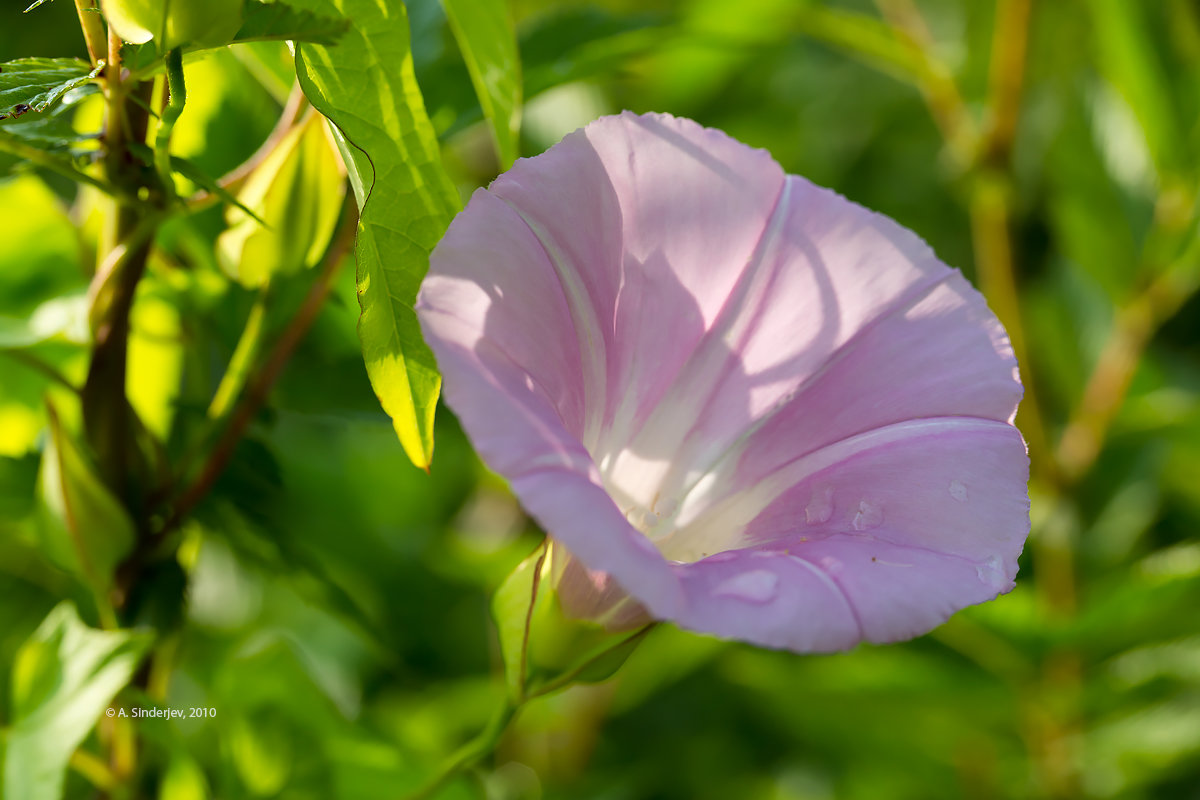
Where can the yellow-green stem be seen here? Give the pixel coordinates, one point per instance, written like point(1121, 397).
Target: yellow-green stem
point(245, 355)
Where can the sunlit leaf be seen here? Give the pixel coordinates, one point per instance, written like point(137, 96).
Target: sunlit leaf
point(488, 42)
point(35, 84)
point(366, 85)
point(61, 318)
point(295, 196)
point(64, 676)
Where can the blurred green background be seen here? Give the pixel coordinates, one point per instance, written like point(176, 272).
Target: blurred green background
point(338, 618)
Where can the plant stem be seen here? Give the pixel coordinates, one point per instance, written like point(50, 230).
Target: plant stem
point(40, 158)
point(106, 411)
point(35, 363)
point(256, 391)
point(470, 753)
point(94, 769)
point(1106, 388)
point(177, 98)
point(245, 354)
point(296, 105)
point(93, 29)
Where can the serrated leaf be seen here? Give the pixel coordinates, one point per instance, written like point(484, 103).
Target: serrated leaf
point(84, 529)
point(278, 21)
point(367, 87)
point(485, 34)
point(36, 84)
point(63, 678)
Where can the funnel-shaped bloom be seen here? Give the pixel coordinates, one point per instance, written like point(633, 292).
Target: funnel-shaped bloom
point(763, 411)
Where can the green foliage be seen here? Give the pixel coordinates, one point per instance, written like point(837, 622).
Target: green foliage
point(173, 24)
point(36, 84)
point(488, 42)
point(351, 622)
point(64, 676)
point(405, 199)
point(280, 21)
point(291, 206)
point(84, 528)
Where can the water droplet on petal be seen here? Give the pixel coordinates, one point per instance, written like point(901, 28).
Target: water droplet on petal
point(820, 507)
point(869, 515)
point(756, 586)
point(991, 572)
point(830, 564)
point(958, 491)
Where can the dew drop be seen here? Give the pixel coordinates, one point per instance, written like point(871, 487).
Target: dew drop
point(757, 586)
point(868, 516)
point(958, 491)
point(991, 572)
point(831, 565)
point(820, 507)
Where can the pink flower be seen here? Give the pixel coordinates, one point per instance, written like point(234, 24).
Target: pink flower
point(763, 411)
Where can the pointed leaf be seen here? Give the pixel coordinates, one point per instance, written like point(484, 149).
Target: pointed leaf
point(367, 87)
point(63, 678)
point(485, 34)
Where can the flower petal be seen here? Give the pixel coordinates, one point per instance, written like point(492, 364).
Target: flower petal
point(649, 322)
point(651, 230)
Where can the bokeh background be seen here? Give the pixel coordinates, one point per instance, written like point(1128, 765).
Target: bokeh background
point(338, 617)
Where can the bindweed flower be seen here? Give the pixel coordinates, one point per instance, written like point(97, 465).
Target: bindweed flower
point(760, 410)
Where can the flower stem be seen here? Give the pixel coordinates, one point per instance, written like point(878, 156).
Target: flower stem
point(257, 390)
point(177, 89)
point(244, 357)
point(470, 753)
point(93, 30)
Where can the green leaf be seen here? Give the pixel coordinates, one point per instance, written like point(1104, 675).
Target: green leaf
point(278, 21)
point(193, 173)
point(84, 529)
point(543, 648)
point(367, 87)
point(577, 43)
point(510, 610)
point(36, 84)
point(61, 318)
point(485, 34)
point(64, 676)
point(296, 195)
point(1129, 58)
point(183, 779)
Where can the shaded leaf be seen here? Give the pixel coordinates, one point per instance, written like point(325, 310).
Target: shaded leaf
point(485, 34)
point(1129, 58)
point(63, 678)
point(281, 21)
point(84, 529)
point(367, 87)
point(62, 318)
